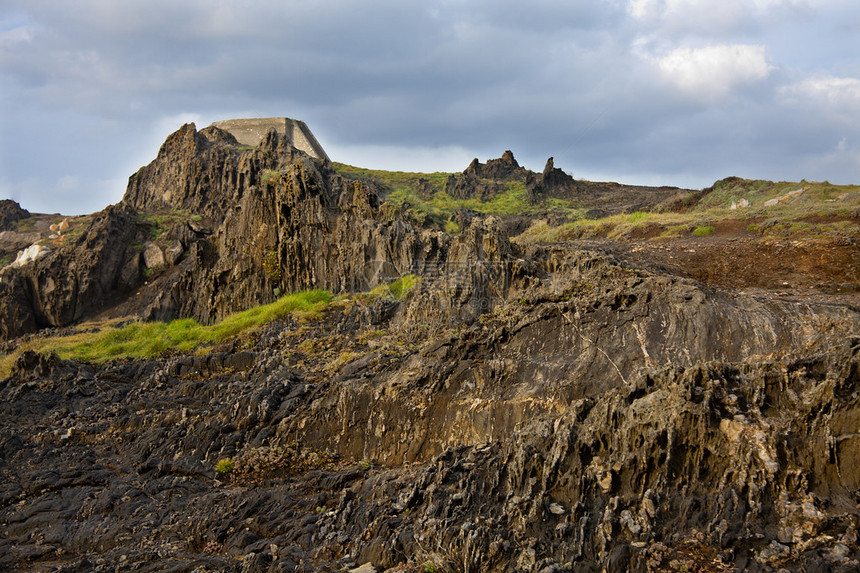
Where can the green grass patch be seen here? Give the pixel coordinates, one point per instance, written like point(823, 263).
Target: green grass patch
point(425, 199)
point(391, 181)
point(402, 286)
point(614, 226)
point(225, 466)
point(396, 290)
point(160, 221)
point(441, 206)
point(791, 199)
point(704, 230)
point(25, 225)
point(150, 339)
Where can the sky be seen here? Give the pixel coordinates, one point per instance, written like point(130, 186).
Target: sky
point(652, 92)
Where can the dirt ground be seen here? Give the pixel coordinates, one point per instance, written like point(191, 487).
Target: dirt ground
point(824, 269)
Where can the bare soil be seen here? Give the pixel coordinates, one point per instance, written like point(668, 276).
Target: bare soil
point(732, 258)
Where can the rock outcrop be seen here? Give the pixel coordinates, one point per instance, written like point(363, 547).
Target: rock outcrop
point(553, 182)
point(74, 281)
point(599, 418)
point(217, 213)
point(522, 408)
point(11, 212)
point(484, 180)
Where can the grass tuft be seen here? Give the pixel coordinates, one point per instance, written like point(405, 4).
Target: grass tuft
point(186, 335)
point(396, 290)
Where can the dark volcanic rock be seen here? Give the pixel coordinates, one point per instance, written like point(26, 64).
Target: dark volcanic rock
point(11, 212)
point(205, 172)
point(244, 209)
point(485, 180)
point(75, 280)
point(553, 182)
point(522, 408)
point(548, 436)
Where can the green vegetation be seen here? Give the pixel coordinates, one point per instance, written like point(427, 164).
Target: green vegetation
point(162, 220)
point(402, 286)
point(441, 206)
point(157, 223)
point(225, 466)
point(340, 361)
point(783, 199)
point(452, 227)
point(639, 216)
point(25, 225)
point(396, 290)
point(149, 339)
point(776, 210)
point(270, 176)
point(402, 190)
point(704, 230)
point(394, 180)
point(272, 266)
point(772, 209)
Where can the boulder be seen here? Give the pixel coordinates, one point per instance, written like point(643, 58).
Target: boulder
point(174, 252)
point(30, 254)
point(153, 256)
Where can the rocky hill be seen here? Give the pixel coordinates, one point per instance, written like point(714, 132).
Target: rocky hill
point(500, 370)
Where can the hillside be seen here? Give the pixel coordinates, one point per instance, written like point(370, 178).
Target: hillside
point(262, 361)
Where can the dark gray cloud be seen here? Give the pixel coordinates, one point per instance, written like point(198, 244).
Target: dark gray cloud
point(650, 91)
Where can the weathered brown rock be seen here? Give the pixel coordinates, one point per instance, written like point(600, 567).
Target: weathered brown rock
point(485, 180)
point(537, 408)
point(10, 213)
point(72, 281)
point(153, 256)
point(525, 441)
point(244, 207)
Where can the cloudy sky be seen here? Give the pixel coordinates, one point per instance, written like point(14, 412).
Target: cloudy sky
point(679, 92)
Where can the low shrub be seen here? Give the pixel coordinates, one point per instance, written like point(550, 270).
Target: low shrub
point(225, 466)
point(704, 230)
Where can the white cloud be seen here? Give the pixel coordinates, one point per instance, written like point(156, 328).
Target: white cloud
point(98, 85)
point(401, 158)
point(15, 36)
point(713, 72)
point(711, 18)
point(647, 9)
point(837, 93)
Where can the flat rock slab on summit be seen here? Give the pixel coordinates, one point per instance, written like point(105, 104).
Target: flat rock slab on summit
point(252, 131)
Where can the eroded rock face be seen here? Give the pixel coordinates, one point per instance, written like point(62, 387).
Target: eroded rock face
point(546, 436)
point(535, 408)
point(11, 212)
point(73, 281)
point(219, 228)
point(484, 180)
